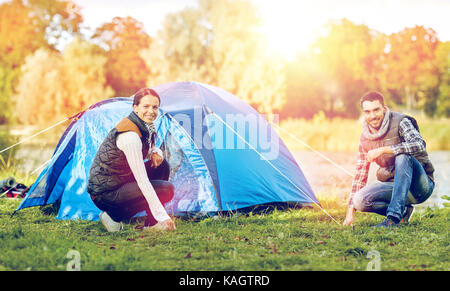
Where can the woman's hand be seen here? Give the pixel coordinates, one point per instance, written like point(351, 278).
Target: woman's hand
point(156, 160)
point(168, 224)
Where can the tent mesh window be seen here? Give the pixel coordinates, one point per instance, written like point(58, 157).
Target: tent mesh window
point(182, 176)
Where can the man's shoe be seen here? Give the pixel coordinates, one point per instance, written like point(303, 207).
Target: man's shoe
point(109, 223)
point(388, 223)
point(408, 213)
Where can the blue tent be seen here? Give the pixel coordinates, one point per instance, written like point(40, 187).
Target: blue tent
point(223, 155)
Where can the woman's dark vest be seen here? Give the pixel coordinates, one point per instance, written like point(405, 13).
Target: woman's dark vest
point(392, 137)
point(110, 169)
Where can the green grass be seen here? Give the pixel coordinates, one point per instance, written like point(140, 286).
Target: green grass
point(296, 239)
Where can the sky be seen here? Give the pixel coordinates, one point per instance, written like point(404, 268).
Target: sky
point(305, 19)
point(289, 25)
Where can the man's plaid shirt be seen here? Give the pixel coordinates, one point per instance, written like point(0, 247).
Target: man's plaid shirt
point(413, 142)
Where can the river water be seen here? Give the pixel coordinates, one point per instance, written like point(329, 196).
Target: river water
point(324, 177)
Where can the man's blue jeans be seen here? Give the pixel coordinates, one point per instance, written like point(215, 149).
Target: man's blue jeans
point(411, 186)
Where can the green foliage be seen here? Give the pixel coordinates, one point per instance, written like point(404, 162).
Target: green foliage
point(56, 86)
point(442, 107)
point(347, 55)
point(6, 139)
point(411, 72)
point(410, 68)
point(14, 47)
point(306, 94)
point(8, 78)
point(436, 133)
point(26, 26)
point(57, 19)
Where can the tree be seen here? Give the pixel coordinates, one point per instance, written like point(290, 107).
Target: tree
point(411, 73)
point(123, 38)
point(305, 93)
point(20, 33)
point(26, 26)
point(85, 76)
point(443, 63)
point(8, 77)
point(218, 43)
point(20, 36)
point(60, 20)
point(55, 86)
point(348, 55)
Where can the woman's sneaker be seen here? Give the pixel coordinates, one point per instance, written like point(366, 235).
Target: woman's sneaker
point(109, 223)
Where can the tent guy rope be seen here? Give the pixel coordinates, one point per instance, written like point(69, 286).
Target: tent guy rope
point(317, 152)
point(40, 167)
point(76, 116)
point(276, 169)
point(34, 135)
point(7, 191)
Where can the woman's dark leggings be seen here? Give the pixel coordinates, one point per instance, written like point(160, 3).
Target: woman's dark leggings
point(128, 200)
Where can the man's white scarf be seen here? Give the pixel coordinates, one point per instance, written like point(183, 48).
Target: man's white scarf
point(372, 134)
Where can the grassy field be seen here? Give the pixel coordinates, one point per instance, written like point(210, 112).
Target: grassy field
point(296, 239)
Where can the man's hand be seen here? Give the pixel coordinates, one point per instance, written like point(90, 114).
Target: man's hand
point(156, 160)
point(372, 155)
point(349, 217)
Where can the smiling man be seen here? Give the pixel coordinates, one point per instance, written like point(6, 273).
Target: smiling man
point(405, 174)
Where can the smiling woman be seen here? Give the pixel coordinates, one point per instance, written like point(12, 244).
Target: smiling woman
point(120, 184)
point(145, 105)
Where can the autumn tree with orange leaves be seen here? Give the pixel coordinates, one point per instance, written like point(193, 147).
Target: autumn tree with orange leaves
point(26, 26)
point(55, 86)
point(123, 38)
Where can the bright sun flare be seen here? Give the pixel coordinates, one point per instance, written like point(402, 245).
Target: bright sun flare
point(291, 30)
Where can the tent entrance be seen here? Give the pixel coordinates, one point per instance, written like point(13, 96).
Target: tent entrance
point(188, 174)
